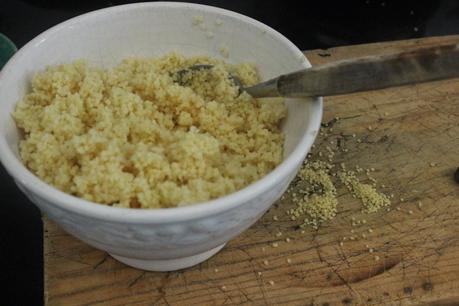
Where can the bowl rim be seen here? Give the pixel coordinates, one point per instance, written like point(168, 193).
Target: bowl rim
point(94, 210)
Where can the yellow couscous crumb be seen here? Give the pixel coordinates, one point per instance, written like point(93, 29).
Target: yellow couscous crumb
point(196, 20)
point(133, 136)
point(223, 51)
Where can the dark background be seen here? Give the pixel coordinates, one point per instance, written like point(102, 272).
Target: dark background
point(315, 24)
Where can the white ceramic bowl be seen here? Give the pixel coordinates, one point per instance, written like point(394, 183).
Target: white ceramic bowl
point(163, 239)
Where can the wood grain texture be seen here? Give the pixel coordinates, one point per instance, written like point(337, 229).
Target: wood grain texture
point(412, 127)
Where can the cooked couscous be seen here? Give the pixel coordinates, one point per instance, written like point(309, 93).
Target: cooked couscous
point(135, 136)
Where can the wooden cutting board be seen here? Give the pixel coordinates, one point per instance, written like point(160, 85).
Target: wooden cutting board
point(413, 146)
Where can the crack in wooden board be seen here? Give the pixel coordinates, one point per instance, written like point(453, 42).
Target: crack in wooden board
point(413, 126)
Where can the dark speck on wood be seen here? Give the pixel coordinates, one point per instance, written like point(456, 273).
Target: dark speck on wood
point(329, 123)
point(427, 286)
point(383, 139)
point(456, 175)
point(324, 54)
point(408, 290)
point(347, 301)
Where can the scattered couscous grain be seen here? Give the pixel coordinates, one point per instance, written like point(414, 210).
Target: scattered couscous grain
point(372, 200)
point(265, 262)
point(132, 136)
point(319, 203)
point(317, 199)
point(223, 51)
point(196, 20)
point(271, 282)
point(209, 34)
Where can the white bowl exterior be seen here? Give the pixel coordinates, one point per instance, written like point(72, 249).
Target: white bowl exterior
point(161, 241)
point(104, 38)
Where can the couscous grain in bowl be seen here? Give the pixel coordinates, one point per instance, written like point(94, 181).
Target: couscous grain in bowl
point(135, 136)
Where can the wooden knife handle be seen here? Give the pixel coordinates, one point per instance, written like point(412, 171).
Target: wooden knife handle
point(366, 73)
